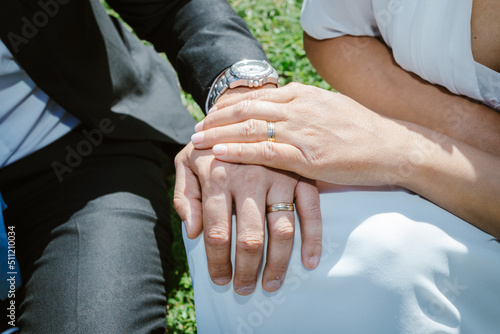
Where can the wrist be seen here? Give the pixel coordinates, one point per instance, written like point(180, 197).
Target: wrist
point(245, 73)
point(242, 90)
point(408, 152)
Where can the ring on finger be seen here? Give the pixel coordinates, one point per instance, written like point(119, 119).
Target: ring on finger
point(271, 133)
point(280, 207)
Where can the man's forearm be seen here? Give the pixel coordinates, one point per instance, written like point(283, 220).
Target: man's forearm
point(364, 69)
point(200, 37)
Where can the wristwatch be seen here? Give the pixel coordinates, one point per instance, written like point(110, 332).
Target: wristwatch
point(246, 73)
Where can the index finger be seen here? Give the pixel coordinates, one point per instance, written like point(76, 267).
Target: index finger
point(257, 104)
point(242, 111)
point(279, 95)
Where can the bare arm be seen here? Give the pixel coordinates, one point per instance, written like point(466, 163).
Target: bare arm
point(364, 69)
point(462, 180)
point(327, 136)
point(456, 176)
point(444, 147)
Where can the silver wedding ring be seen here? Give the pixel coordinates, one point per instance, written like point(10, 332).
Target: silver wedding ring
point(280, 207)
point(271, 134)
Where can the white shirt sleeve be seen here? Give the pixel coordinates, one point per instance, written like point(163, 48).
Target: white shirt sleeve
point(323, 19)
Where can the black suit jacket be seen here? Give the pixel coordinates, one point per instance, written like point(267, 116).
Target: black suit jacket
point(96, 69)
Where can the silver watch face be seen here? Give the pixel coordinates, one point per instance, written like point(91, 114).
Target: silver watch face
point(251, 69)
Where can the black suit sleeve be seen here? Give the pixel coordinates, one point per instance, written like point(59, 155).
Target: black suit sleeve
point(200, 37)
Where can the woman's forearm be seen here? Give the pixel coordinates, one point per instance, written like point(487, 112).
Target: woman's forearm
point(450, 144)
point(364, 69)
point(456, 176)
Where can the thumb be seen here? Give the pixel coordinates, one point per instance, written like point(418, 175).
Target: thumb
point(187, 199)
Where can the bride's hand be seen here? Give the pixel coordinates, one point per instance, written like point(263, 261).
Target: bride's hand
point(319, 134)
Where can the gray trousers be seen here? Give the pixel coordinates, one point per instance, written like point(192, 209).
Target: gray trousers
point(93, 236)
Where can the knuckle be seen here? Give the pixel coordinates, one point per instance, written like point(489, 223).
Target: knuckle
point(270, 152)
point(247, 280)
point(177, 161)
point(219, 176)
point(315, 210)
point(249, 129)
point(252, 243)
point(258, 93)
point(314, 238)
point(310, 93)
point(216, 270)
point(238, 151)
point(217, 237)
point(208, 122)
point(313, 205)
point(284, 114)
point(315, 157)
point(316, 241)
point(241, 109)
point(283, 230)
point(253, 173)
point(248, 178)
point(295, 85)
point(298, 88)
point(178, 203)
point(277, 267)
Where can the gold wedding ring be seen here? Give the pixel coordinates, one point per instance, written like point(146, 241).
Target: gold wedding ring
point(271, 134)
point(280, 207)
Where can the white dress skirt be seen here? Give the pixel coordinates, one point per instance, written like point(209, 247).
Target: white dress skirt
point(392, 262)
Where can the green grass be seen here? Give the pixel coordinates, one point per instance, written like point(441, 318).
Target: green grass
point(276, 24)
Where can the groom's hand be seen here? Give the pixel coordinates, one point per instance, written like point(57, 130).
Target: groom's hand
point(205, 192)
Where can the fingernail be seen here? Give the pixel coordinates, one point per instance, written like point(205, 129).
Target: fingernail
point(222, 280)
point(313, 261)
point(245, 290)
point(273, 285)
point(197, 137)
point(214, 108)
point(219, 149)
point(199, 126)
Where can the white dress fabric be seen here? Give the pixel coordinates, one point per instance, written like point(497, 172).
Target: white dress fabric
point(392, 261)
point(429, 38)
